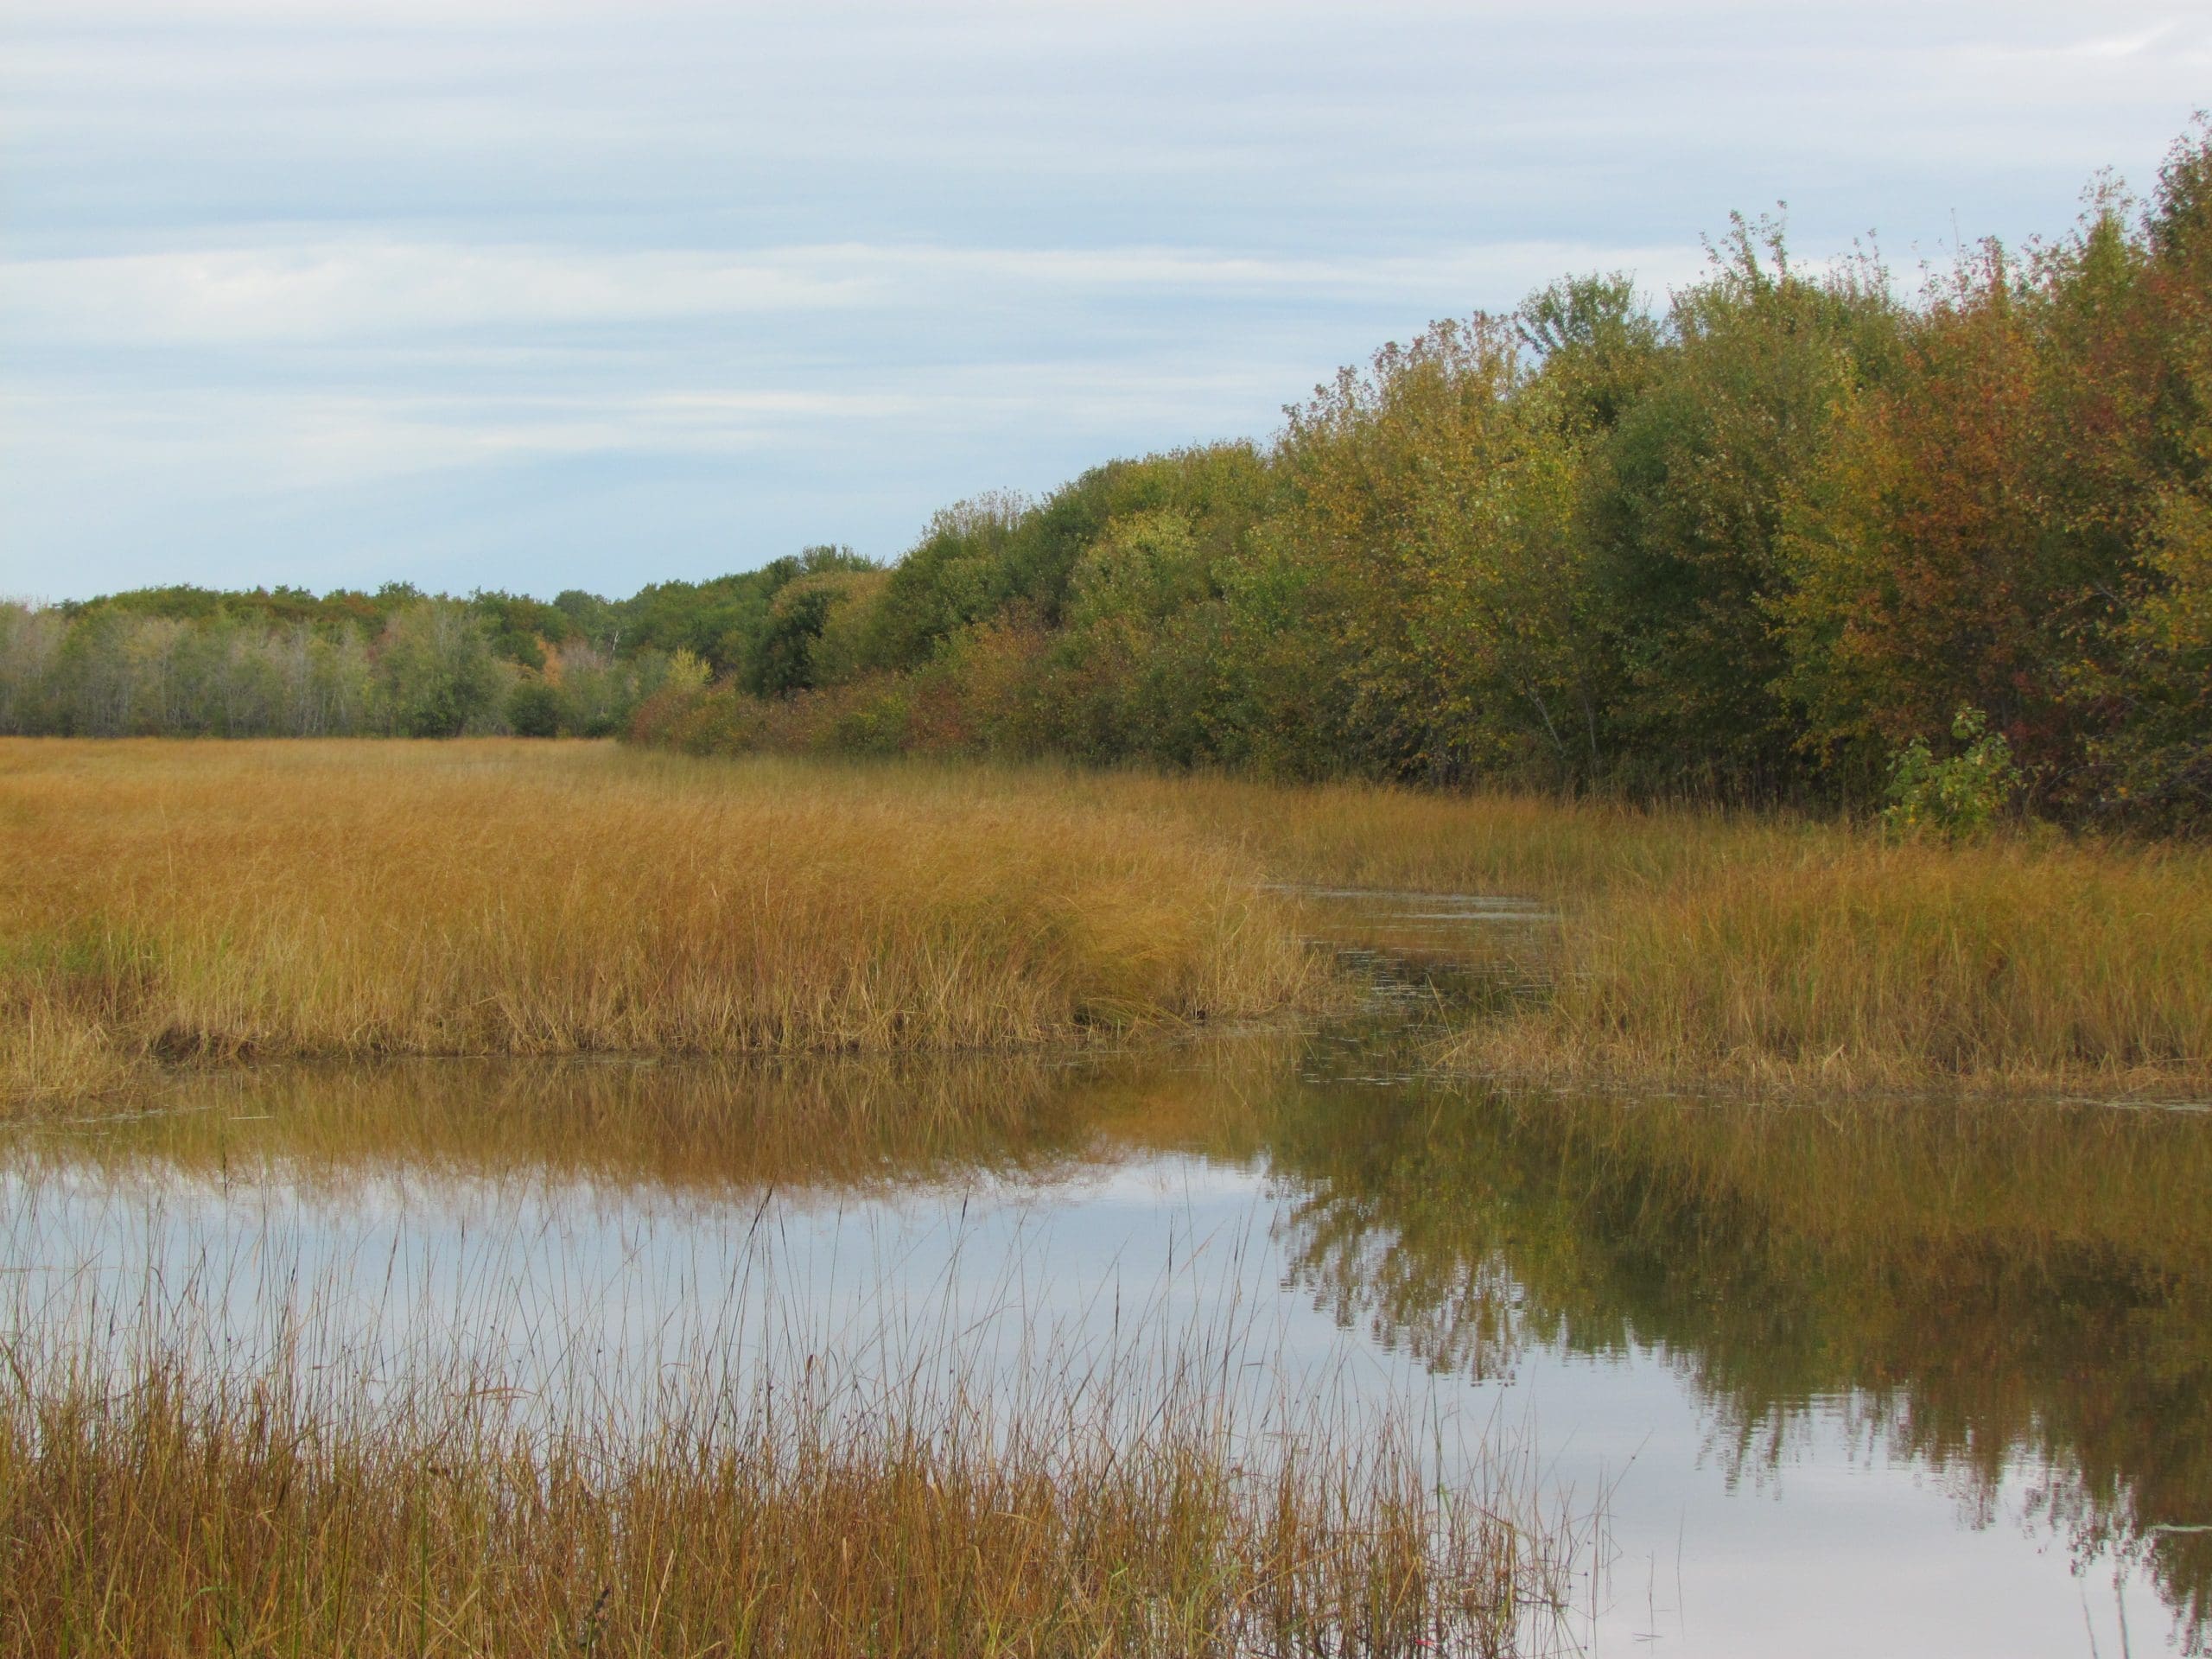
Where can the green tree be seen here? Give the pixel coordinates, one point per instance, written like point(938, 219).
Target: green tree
point(1958, 796)
point(1688, 492)
point(1430, 540)
point(435, 673)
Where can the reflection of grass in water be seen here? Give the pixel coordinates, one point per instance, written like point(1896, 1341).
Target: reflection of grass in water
point(211, 901)
point(696, 1126)
point(685, 1125)
point(166, 1488)
point(1989, 1285)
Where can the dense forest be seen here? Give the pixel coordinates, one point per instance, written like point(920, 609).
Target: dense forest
point(1753, 544)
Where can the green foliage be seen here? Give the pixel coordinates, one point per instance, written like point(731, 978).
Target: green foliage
point(1959, 796)
point(1751, 545)
point(788, 653)
point(727, 622)
point(1599, 347)
point(521, 628)
point(187, 661)
point(1430, 514)
point(435, 670)
point(1746, 547)
point(536, 710)
point(959, 572)
point(592, 621)
point(1687, 503)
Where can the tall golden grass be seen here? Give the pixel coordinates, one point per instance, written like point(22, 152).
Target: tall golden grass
point(1699, 946)
point(210, 901)
point(916, 1475)
point(214, 901)
point(1829, 960)
point(169, 1520)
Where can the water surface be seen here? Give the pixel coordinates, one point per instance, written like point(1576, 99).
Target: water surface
point(1912, 1377)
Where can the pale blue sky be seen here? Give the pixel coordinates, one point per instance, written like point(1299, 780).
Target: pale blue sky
point(535, 296)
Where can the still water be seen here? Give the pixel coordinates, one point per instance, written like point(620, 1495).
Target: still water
point(1898, 1379)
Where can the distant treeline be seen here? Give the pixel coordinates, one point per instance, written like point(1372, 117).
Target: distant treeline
point(1749, 545)
point(195, 662)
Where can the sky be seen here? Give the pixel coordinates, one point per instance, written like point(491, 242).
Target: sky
point(488, 293)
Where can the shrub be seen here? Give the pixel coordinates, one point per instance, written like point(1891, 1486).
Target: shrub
point(537, 710)
point(1958, 797)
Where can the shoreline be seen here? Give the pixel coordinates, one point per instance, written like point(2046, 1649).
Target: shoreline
point(234, 903)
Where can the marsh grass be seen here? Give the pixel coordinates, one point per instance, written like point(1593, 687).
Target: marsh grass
point(775, 1478)
point(168, 1520)
point(1833, 960)
point(208, 902)
point(1695, 946)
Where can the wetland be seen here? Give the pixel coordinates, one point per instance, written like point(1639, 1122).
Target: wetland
point(483, 1198)
point(1908, 1376)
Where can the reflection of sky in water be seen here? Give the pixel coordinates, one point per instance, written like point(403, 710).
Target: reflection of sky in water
point(1835, 1549)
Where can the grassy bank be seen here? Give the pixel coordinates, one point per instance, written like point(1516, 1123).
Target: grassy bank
point(211, 901)
point(1830, 961)
point(1696, 947)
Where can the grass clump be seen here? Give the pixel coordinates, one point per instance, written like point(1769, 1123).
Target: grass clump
point(164, 1519)
point(774, 1479)
point(210, 901)
point(1830, 959)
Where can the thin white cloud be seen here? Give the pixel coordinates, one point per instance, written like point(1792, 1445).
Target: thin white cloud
point(2125, 45)
point(271, 439)
point(310, 439)
point(334, 292)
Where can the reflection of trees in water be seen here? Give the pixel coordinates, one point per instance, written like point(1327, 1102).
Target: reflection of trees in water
point(1983, 1287)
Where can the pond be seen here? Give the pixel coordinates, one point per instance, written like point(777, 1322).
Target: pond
point(1904, 1377)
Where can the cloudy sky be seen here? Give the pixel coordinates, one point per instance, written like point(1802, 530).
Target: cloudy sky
point(537, 296)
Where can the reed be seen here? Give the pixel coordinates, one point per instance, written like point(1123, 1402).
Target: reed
point(1833, 960)
point(208, 901)
point(213, 902)
point(199, 1462)
point(163, 1521)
